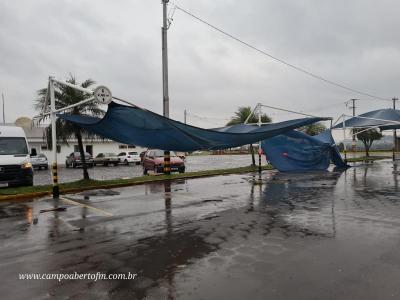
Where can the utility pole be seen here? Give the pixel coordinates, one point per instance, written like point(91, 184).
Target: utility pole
point(164, 29)
point(184, 116)
point(4, 114)
point(353, 143)
point(395, 146)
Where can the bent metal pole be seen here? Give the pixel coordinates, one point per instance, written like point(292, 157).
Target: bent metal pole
point(56, 191)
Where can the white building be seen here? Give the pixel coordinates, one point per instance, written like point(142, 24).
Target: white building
point(37, 142)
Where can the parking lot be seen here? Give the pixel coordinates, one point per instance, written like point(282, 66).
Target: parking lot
point(316, 235)
point(193, 163)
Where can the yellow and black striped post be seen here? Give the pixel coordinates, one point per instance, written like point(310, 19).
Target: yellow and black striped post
point(167, 163)
point(56, 191)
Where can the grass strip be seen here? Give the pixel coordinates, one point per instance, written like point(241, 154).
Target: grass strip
point(82, 185)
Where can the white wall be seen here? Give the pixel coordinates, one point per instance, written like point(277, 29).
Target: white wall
point(98, 147)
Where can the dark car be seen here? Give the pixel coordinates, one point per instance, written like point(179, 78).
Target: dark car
point(153, 160)
point(74, 160)
point(106, 159)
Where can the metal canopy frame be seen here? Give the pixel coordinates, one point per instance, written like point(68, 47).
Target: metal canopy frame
point(49, 109)
point(343, 117)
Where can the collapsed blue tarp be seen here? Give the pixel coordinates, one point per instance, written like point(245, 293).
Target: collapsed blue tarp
point(297, 151)
point(133, 125)
point(383, 118)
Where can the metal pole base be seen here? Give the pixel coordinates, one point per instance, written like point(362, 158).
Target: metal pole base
point(56, 192)
point(167, 163)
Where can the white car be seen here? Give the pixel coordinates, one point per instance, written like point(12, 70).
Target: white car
point(129, 157)
point(39, 161)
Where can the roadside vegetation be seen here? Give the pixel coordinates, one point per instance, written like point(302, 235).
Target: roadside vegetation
point(367, 137)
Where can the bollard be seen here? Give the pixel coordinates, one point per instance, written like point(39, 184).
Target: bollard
point(56, 191)
point(259, 162)
point(167, 163)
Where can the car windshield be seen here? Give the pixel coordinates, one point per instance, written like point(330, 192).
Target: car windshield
point(160, 153)
point(77, 154)
point(13, 145)
point(133, 153)
point(110, 154)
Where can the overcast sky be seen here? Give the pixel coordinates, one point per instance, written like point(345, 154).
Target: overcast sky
point(118, 44)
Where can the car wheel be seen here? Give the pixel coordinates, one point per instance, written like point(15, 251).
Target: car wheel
point(66, 165)
point(73, 164)
point(145, 171)
point(182, 170)
point(126, 162)
point(46, 167)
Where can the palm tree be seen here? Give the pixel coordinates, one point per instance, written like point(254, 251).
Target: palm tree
point(313, 129)
point(241, 116)
point(65, 96)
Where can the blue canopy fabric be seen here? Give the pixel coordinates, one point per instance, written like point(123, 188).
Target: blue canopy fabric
point(136, 126)
point(382, 120)
point(297, 151)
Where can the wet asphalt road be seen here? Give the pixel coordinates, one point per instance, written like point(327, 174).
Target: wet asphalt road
point(193, 163)
point(324, 235)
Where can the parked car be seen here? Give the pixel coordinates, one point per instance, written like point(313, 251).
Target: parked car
point(142, 155)
point(106, 159)
point(74, 160)
point(129, 157)
point(15, 168)
point(154, 160)
point(39, 161)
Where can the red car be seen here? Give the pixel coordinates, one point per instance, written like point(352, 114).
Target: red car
point(153, 160)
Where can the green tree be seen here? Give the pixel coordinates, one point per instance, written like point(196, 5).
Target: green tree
point(65, 96)
point(240, 117)
point(313, 129)
point(367, 137)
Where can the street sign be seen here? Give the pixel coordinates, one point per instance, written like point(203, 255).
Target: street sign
point(102, 95)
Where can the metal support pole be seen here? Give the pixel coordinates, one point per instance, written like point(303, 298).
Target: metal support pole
point(56, 191)
point(164, 40)
point(184, 116)
point(259, 143)
point(4, 114)
point(344, 139)
point(353, 143)
point(394, 133)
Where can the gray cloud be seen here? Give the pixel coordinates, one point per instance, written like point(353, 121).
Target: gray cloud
point(117, 43)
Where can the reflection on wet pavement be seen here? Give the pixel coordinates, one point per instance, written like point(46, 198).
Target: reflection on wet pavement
point(317, 235)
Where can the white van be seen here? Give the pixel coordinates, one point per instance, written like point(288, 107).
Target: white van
point(15, 168)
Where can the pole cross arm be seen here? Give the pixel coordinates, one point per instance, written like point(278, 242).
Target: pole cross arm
point(77, 87)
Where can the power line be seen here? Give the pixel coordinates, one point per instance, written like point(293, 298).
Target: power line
point(276, 58)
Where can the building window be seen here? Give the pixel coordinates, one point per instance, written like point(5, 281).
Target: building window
point(131, 146)
point(76, 148)
point(122, 146)
point(44, 147)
